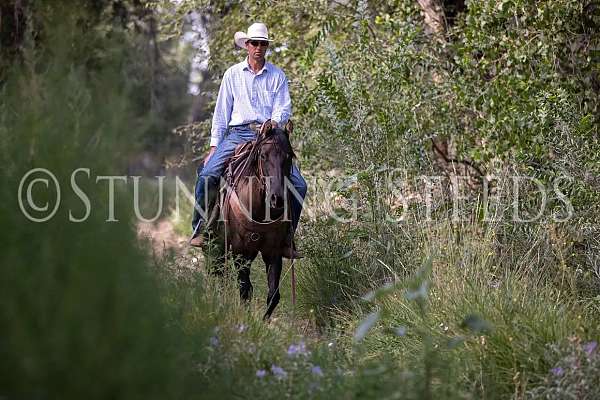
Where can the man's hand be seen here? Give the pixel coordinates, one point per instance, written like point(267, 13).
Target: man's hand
point(210, 153)
point(273, 124)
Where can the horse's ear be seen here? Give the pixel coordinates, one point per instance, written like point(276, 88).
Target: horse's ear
point(289, 127)
point(266, 128)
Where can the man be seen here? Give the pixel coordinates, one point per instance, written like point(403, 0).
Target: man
point(251, 92)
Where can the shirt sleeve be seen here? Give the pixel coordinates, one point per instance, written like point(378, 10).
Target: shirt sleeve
point(282, 104)
point(223, 108)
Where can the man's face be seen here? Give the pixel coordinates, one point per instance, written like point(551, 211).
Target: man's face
point(257, 49)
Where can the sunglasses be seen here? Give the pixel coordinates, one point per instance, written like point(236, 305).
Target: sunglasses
point(257, 43)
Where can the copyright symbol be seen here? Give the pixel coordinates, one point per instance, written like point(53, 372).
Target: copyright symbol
point(30, 203)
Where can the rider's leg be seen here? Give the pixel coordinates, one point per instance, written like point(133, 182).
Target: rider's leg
point(300, 189)
point(204, 184)
point(209, 175)
point(297, 191)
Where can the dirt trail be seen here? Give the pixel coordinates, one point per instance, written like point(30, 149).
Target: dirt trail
point(162, 236)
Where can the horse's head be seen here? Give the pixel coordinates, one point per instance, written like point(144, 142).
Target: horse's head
point(275, 161)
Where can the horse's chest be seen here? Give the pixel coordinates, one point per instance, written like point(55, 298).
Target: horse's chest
point(270, 242)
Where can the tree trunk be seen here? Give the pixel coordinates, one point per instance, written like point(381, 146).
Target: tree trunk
point(433, 12)
point(443, 148)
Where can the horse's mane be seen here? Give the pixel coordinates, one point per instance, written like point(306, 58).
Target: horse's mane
point(277, 137)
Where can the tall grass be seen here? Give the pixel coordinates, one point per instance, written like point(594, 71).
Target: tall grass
point(529, 285)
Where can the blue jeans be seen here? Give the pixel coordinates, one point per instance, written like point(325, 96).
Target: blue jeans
point(209, 175)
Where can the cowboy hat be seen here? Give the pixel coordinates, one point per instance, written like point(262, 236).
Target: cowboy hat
point(256, 31)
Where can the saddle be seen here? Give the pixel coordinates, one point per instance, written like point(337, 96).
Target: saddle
point(239, 162)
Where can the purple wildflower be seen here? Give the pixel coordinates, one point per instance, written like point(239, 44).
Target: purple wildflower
point(317, 371)
point(214, 341)
point(590, 347)
point(261, 373)
point(242, 328)
point(278, 372)
point(557, 371)
point(297, 350)
point(401, 330)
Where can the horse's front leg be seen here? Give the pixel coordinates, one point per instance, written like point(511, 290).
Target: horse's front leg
point(242, 264)
point(273, 265)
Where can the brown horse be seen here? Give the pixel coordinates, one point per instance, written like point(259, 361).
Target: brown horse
point(253, 210)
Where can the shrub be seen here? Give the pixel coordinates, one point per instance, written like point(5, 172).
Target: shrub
point(80, 311)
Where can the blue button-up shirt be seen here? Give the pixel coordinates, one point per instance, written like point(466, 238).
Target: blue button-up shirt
point(246, 97)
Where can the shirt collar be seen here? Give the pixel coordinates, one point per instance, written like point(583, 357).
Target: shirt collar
point(265, 68)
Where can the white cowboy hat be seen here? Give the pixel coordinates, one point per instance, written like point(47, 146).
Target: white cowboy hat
point(256, 31)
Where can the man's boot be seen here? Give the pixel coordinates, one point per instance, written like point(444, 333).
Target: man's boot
point(197, 241)
point(289, 251)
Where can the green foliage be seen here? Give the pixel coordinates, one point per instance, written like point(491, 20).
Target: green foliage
point(511, 84)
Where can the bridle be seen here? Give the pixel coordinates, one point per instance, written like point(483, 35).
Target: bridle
point(260, 174)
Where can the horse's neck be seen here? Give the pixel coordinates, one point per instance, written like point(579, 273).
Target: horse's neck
point(251, 196)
